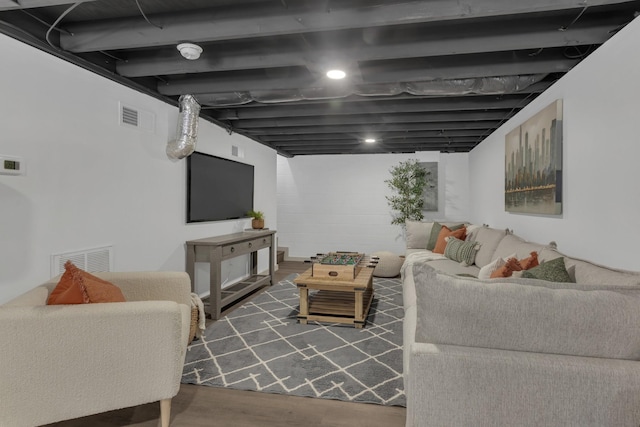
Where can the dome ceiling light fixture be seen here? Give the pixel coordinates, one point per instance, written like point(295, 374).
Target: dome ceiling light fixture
point(190, 51)
point(336, 74)
point(370, 140)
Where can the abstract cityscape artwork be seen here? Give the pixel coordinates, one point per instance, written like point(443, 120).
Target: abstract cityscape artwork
point(533, 164)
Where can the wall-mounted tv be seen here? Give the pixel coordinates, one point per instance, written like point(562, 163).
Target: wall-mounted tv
point(217, 189)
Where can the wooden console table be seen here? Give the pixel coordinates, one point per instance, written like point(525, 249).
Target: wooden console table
point(216, 249)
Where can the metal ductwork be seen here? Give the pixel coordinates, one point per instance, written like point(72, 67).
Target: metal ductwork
point(454, 87)
point(187, 132)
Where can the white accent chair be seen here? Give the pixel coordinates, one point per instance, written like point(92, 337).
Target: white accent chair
point(59, 362)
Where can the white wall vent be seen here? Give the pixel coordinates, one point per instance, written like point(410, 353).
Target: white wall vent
point(237, 151)
point(136, 118)
point(129, 116)
point(93, 260)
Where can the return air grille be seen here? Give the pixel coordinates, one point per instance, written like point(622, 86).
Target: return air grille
point(136, 118)
point(92, 260)
point(129, 116)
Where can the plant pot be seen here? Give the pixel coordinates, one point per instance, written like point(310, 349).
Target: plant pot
point(257, 224)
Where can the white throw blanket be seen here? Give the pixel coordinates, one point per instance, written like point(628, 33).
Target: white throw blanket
point(197, 302)
point(418, 258)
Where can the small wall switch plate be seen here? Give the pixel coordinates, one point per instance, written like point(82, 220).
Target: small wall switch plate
point(11, 165)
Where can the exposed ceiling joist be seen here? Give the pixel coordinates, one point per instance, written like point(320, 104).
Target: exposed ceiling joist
point(451, 40)
point(422, 75)
point(234, 23)
point(29, 4)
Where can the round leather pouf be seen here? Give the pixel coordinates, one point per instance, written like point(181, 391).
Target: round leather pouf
point(388, 265)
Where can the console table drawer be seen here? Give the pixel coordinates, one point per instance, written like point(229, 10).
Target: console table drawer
point(246, 247)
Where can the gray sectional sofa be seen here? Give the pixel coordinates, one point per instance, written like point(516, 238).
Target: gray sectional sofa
point(518, 351)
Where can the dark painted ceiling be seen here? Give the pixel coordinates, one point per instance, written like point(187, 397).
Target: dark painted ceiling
point(436, 75)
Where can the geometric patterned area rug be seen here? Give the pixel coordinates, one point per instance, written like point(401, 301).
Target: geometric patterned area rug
point(260, 346)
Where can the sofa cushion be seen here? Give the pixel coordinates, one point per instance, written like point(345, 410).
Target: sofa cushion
point(454, 268)
point(461, 251)
point(551, 271)
point(489, 238)
point(511, 244)
point(510, 315)
point(445, 232)
point(587, 272)
point(418, 233)
point(435, 233)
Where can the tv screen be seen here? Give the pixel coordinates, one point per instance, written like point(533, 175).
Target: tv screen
point(217, 188)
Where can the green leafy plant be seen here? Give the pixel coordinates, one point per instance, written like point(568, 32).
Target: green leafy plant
point(408, 181)
point(256, 214)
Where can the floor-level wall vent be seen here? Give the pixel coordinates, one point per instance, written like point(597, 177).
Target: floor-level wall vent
point(93, 260)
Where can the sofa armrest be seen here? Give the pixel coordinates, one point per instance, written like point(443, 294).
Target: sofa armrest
point(61, 362)
point(455, 386)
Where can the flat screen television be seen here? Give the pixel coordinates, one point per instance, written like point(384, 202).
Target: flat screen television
point(218, 189)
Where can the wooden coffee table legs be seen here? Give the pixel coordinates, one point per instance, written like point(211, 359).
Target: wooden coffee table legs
point(304, 304)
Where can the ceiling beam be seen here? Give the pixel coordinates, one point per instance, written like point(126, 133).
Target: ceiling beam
point(388, 136)
point(434, 117)
point(242, 22)
point(453, 103)
point(438, 68)
point(29, 4)
point(290, 145)
point(437, 42)
point(392, 127)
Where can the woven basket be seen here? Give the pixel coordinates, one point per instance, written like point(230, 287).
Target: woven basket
point(194, 323)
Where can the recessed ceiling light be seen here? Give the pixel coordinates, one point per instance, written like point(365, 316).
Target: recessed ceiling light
point(370, 140)
point(190, 51)
point(336, 74)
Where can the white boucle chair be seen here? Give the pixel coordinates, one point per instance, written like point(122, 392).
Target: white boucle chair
point(60, 362)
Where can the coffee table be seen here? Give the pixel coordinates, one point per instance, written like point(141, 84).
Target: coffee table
point(336, 300)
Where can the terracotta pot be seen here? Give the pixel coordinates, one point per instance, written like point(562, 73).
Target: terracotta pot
point(257, 223)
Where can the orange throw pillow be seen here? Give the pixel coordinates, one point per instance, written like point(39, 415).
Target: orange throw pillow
point(507, 269)
point(99, 290)
point(530, 262)
point(76, 286)
point(68, 290)
point(445, 232)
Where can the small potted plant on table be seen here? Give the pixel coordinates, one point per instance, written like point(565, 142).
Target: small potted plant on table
point(257, 222)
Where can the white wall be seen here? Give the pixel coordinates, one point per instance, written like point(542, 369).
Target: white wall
point(329, 203)
point(91, 182)
point(601, 176)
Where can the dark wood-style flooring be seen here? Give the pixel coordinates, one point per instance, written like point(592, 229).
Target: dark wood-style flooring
point(218, 407)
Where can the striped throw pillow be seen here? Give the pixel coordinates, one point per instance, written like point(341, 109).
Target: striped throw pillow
point(461, 251)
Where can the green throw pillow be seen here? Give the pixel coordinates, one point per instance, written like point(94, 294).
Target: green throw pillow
point(551, 271)
point(435, 232)
point(461, 251)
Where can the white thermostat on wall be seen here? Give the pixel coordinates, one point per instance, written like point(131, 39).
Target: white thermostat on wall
point(11, 165)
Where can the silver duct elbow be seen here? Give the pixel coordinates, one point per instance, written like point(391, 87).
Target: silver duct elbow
point(187, 132)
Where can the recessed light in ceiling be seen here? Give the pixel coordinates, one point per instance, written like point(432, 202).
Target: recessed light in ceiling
point(190, 51)
point(336, 74)
point(370, 140)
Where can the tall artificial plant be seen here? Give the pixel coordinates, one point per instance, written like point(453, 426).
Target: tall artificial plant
point(408, 181)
